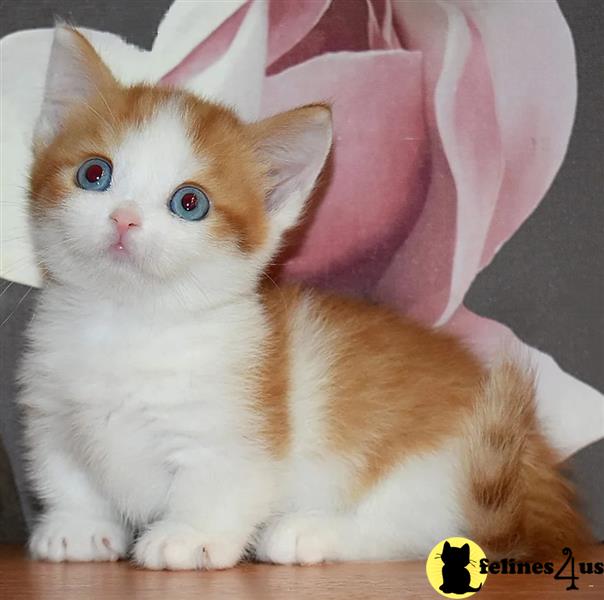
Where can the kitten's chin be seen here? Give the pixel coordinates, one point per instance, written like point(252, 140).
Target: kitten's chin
point(159, 273)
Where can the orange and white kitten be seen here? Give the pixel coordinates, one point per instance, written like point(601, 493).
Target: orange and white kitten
point(167, 392)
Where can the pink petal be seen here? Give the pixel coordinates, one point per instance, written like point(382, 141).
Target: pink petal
point(569, 430)
point(208, 50)
point(289, 22)
point(236, 77)
point(502, 137)
point(466, 121)
point(533, 71)
point(382, 34)
point(377, 41)
point(472, 142)
point(418, 280)
point(375, 191)
point(343, 26)
point(388, 30)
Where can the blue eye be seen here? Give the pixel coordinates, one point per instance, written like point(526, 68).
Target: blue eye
point(94, 174)
point(190, 203)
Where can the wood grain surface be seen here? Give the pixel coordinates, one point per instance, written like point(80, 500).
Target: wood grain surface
point(24, 579)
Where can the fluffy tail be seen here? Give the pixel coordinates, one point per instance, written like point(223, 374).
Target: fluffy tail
point(518, 504)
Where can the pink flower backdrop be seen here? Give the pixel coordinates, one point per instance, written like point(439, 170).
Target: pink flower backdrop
point(451, 120)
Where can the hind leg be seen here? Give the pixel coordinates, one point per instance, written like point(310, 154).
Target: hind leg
point(402, 517)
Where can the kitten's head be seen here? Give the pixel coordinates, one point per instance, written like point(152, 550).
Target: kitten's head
point(145, 187)
point(454, 556)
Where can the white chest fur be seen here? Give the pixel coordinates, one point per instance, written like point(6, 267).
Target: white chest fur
point(135, 393)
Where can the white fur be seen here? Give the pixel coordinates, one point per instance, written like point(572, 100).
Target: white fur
point(405, 516)
point(310, 458)
point(142, 414)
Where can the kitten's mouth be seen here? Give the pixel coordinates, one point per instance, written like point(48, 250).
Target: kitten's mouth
point(119, 250)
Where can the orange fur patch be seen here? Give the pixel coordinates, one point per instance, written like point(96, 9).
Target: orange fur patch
point(397, 388)
point(273, 391)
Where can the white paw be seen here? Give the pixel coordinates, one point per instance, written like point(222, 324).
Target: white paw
point(297, 539)
point(65, 537)
point(177, 546)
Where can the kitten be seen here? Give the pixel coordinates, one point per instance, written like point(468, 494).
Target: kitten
point(170, 393)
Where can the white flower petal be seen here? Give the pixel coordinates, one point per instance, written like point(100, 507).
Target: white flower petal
point(236, 78)
point(185, 25)
point(23, 70)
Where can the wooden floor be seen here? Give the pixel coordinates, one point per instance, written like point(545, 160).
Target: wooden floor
point(23, 579)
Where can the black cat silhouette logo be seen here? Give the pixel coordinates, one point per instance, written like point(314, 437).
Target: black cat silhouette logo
point(453, 568)
point(456, 578)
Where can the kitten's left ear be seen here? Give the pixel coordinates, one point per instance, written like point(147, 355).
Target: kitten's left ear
point(75, 74)
point(293, 147)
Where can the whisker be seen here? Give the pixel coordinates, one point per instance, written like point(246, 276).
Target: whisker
point(19, 238)
point(281, 293)
point(97, 114)
point(16, 307)
point(271, 280)
point(10, 284)
point(102, 96)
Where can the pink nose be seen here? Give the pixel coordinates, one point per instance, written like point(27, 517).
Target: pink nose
point(125, 218)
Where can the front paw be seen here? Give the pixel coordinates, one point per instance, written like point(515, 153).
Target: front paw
point(67, 537)
point(177, 546)
point(303, 539)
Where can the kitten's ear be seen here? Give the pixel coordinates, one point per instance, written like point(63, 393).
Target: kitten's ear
point(446, 547)
point(293, 147)
point(75, 73)
point(466, 549)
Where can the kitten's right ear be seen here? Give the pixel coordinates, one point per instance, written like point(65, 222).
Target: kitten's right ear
point(75, 73)
point(293, 146)
point(447, 546)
